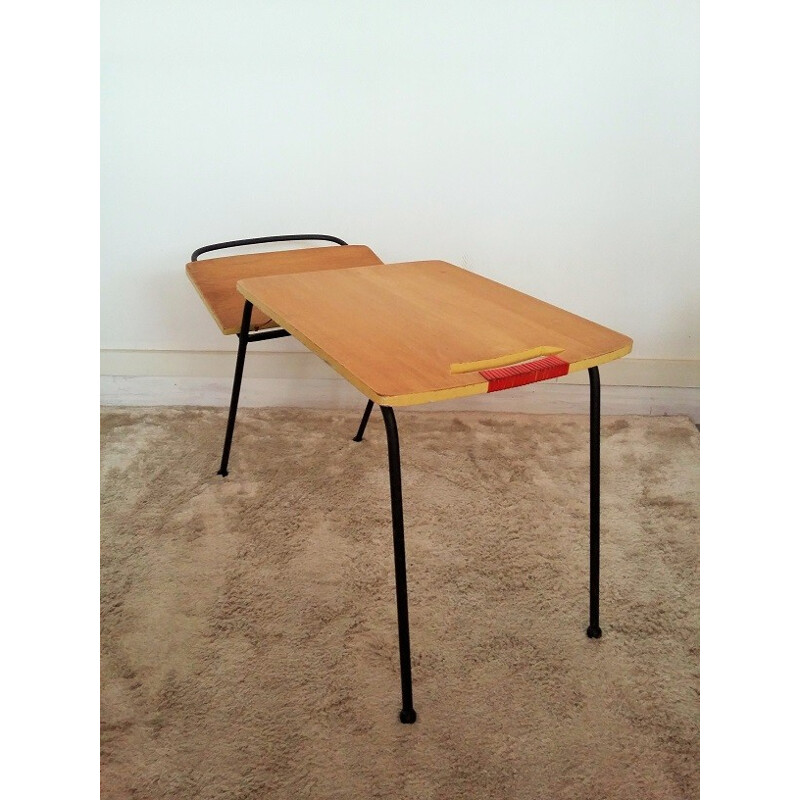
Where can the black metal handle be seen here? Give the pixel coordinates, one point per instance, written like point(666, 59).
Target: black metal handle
point(294, 237)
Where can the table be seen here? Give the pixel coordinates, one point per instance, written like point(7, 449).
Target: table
point(420, 332)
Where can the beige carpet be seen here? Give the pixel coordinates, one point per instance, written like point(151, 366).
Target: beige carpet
point(248, 623)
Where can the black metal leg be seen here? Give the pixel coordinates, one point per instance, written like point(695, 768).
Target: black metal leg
point(237, 384)
point(593, 631)
point(407, 713)
point(364, 420)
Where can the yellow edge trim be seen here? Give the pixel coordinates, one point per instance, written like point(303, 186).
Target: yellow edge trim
point(434, 396)
point(598, 360)
point(504, 361)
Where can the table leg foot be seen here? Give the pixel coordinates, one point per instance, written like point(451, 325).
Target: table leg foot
point(222, 472)
point(408, 717)
point(594, 632)
point(364, 420)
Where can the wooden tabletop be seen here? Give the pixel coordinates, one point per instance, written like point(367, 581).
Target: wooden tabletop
point(423, 331)
point(215, 278)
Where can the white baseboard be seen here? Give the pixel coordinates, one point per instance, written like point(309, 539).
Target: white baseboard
point(287, 358)
point(286, 374)
point(545, 398)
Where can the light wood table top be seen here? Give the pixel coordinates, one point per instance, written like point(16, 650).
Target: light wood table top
point(215, 278)
point(423, 331)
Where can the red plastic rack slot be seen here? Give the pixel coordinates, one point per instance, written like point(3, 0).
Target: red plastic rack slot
point(542, 369)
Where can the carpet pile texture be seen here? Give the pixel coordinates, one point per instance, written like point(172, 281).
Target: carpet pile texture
point(248, 628)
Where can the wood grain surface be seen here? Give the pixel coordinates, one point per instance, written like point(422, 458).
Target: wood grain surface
point(402, 333)
point(215, 278)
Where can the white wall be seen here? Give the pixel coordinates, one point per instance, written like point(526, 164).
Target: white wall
point(550, 145)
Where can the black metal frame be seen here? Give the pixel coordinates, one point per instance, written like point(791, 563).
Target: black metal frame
point(291, 237)
point(246, 336)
